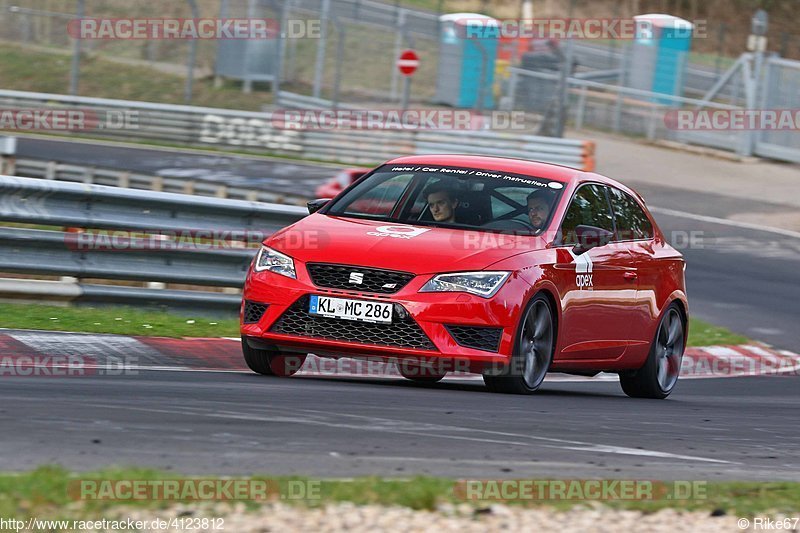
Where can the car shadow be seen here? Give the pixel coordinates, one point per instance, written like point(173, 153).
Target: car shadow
point(547, 389)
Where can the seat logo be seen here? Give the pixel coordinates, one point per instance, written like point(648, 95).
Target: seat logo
point(356, 278)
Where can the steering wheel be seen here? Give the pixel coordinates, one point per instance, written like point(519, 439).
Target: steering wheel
point(512, 224)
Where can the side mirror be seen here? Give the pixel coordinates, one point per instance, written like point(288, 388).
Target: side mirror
point(315, 205)
point(591, 237)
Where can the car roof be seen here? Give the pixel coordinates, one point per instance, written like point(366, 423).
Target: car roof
point(538, 169)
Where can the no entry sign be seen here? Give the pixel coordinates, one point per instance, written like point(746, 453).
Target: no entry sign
point(408, 62)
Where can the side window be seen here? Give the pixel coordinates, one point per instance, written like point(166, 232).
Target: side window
point(632, 222)
point(589, 207)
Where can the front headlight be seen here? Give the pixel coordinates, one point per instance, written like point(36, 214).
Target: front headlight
point(274, 261)
point(484, 284)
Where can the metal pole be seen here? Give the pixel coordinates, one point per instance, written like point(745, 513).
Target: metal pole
point(247, 84)
point(342, 35)
point(720, 46)
point(563, 88)
point(76, 55)
point(319, 66)
point(281, 51)
point(398, 44)
point(187, 96)
point(406, 91)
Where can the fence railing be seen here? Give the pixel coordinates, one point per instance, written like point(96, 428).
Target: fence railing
point(631, 111)
point(132, 235)
point(221, 128)
point(54, 170)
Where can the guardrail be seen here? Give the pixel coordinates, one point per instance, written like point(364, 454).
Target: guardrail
point(189, 125)
point(53, 170)
point(149, 236)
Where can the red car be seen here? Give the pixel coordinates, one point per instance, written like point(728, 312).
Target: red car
point(503, 267)
point(340, 182)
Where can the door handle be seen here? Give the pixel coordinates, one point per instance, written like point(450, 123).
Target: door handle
point(630, 276)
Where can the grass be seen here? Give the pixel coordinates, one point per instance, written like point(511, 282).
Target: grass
point(704, 334)
point(39, 71)
point(50, 491)
point(131, 321)
point(118, 320)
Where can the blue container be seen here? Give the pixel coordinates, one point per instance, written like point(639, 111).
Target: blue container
point(660, 54)
point(467, 59)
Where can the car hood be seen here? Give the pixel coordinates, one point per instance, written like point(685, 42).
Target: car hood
point(417, 249)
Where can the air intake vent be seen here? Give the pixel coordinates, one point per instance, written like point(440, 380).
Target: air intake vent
point(253, 311)
point(480, 338)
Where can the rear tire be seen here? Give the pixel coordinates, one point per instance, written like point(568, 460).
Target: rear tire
point(533, 351)
point(271, 362)
point(659, 374)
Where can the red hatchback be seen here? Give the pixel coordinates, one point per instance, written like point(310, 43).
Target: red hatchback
point(502, 267)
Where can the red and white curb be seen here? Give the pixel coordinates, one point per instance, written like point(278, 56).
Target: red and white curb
point(85, 353)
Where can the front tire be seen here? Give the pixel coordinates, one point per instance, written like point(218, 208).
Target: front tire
point(659, 374)
point(533, 351)
point(271, 362)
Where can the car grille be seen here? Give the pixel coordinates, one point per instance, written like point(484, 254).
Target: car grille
point(253, 311)
point(478, 337)
point(372, 279)
point(401, 333)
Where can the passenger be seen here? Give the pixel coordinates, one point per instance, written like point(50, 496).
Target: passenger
point(539, 205)
point(442, 201)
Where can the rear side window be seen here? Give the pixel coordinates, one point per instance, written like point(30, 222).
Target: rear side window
point(589, 207)
point(632, 222)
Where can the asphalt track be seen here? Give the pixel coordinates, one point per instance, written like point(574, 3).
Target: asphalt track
point(240, 423)
point(272, 174)
point(728, 428)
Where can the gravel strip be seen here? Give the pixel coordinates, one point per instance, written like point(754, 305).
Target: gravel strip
point(348, 517)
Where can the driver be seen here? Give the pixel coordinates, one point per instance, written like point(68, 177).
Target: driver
point(442, 202)
point(539, 205)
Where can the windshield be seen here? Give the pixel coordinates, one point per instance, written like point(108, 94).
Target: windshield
point(458, 197)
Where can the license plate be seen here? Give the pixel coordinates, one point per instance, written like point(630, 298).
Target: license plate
point(350, 309)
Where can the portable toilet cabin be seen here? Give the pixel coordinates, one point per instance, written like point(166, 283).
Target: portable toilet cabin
point(467, 57)
point(659, 55)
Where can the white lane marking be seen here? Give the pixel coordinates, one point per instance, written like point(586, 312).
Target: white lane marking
point(599, 448)
point(322, 418)
point(725, 222)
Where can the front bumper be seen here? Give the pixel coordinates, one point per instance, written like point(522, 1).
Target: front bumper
point(433, 315)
